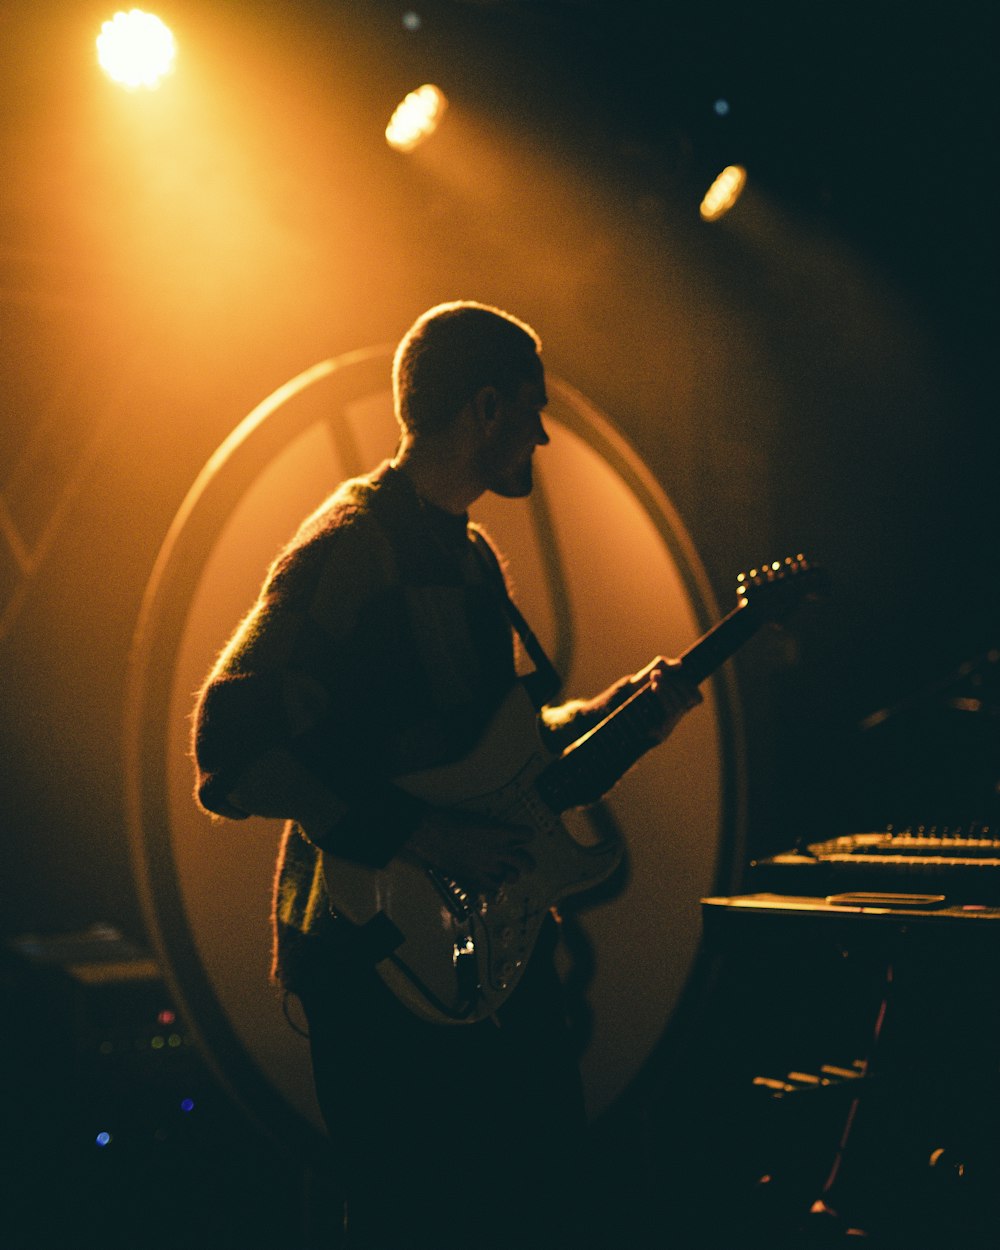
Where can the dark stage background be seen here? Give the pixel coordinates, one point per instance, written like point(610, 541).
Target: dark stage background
point(813, 372)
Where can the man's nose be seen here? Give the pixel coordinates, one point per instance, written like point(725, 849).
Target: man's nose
point(541, 434)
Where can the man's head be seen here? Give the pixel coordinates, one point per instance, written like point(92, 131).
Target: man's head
point(469, 389)
point(450, 353)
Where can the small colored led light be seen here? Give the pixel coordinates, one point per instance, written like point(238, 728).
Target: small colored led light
point(187, 1104)
point(166, 1016)
point(103, 1139)
point(158, 1042)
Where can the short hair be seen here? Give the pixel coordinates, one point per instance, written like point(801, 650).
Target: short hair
point(450, 353)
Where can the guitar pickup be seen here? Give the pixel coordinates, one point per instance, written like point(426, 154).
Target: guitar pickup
point(458, 900)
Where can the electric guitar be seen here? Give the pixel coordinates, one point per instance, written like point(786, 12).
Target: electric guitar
point(452, 956)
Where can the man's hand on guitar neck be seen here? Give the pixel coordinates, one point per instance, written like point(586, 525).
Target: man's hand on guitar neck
point(479, 853)
point(677, 694)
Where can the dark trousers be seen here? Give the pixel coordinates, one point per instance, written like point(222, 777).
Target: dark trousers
point(453, 1134)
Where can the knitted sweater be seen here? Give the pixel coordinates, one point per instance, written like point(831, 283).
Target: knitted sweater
point(378, 646)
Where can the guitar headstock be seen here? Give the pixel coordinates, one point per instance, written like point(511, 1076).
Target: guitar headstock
point(773, 590)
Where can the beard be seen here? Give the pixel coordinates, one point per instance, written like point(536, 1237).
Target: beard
point(515, 483)
point(504, 477)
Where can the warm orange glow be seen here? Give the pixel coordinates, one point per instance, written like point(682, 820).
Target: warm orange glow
point(416, 118)
point(136, 49)
point(723, 193)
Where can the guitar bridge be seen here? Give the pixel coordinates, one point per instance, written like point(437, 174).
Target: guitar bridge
point(462, 950)
point(466, 969)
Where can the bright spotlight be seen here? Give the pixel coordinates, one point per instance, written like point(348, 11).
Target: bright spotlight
point(723, 193)
point(416, 118)
point(136, 49)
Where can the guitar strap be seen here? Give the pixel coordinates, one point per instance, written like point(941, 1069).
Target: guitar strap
point(544, 683)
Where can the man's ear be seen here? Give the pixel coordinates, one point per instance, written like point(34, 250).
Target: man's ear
point(487, 403)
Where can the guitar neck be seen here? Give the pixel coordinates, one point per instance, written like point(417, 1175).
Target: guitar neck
point(592, 765)
point(712, 650)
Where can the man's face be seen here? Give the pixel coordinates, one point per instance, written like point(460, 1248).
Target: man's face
point(517, 429)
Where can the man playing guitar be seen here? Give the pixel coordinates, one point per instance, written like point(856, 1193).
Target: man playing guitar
point(381, 652)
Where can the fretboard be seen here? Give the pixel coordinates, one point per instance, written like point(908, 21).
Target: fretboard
point(592, 765)
point(702, 658)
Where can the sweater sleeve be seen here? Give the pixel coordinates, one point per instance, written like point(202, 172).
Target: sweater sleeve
point(274, 726)
point(249, 763)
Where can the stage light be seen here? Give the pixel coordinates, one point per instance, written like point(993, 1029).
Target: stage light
point(723, 193)
point(416, 118)
point(136, 49)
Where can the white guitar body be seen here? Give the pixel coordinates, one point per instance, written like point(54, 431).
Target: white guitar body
point(455, 958)
point(460, 955)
